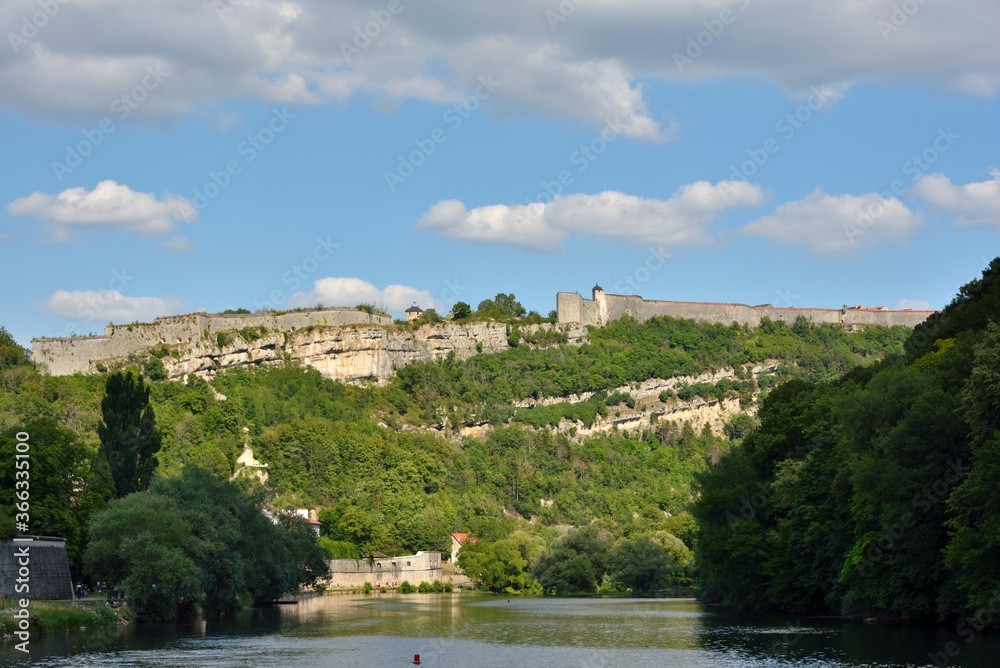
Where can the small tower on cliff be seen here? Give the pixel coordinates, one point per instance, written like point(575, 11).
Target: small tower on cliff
point(597, 291)
point(414, 312)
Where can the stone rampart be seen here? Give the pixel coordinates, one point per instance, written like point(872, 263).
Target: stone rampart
point(66, 356)
point(386, 571)
point(605, 308)
point(47, 565)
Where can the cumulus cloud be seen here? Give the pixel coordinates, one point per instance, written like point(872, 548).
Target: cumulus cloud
point(682, 220)
point(178, 244)
point(973, 203)
point(110, 306)
point(837, 224)
point(582, 60)
point(109, 205)
point(353, 291)
point(913, 305)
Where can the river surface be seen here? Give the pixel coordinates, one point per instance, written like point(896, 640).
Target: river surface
point(469, 630)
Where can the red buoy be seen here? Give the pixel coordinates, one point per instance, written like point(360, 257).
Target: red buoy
point(416, 659)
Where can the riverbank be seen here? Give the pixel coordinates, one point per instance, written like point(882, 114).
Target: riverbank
point(60, 617)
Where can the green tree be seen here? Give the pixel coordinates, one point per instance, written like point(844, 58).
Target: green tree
point(67, 482)
point(11, 354)
point(129, 438)
point(575, 563)
point(140, 545)
point(460, 311)
point(501, 306)
point(644, 566)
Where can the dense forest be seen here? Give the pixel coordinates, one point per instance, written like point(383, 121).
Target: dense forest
point(875, 494)
point(389, 469)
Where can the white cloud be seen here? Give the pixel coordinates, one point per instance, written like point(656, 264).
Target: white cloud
point(176, 243)
point(973, 203)
point(587, 67)
point(109, 205)
point(110, 306)
point(682, 220)
point(913, 305)
point(837, 224)
point(354, 291)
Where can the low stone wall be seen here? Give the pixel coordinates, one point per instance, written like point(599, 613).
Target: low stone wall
point(389, 571)
point(47, 565)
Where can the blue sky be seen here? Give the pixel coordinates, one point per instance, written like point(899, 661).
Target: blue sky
point(259, 154)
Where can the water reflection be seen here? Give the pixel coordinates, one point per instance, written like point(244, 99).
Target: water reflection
point(468, 631)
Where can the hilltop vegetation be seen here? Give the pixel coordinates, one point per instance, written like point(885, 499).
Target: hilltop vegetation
point(374, 461)
point(875, 494)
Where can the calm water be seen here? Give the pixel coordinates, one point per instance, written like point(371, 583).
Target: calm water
point(466, 631)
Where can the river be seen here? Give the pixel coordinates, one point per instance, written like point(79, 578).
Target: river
point(469, 630)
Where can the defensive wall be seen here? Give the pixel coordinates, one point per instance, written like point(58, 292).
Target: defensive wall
point(47, 568)
point(66, 356)
point(604, 308)
point(386, 571)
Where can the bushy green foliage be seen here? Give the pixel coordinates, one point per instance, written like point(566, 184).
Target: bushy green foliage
point(460, 311)
point(502, 564)
point(644, 566)
point(11, 354)
point(197, 539)
point(875, 494)
point(500, 307)
point(576, 563)
point(66, 482)
point(625, 352)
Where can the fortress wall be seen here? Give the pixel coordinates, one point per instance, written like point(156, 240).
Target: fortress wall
point(415, 569)
point(608, 308)
point(790, 315)
point(288, 322)
point(64, 357)
point(568, 306)
point(904, 318)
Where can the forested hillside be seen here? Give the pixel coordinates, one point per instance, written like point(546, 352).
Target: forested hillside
point(389, 469)
point(877, 493)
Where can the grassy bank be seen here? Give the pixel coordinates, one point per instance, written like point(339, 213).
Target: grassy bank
point(58, 616)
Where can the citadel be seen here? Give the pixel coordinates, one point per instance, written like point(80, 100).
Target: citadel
point(360, 345)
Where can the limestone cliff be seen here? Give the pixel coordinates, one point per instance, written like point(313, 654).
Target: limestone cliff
point(352, 354)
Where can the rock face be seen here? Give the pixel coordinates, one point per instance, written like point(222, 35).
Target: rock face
point(353, 354)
